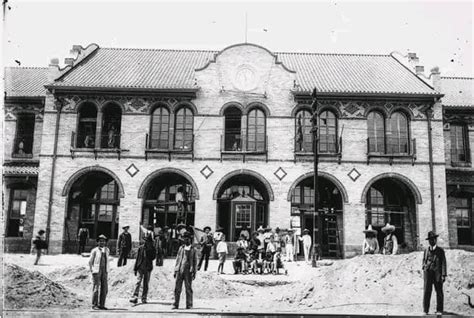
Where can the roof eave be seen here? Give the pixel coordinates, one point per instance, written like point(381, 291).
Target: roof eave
point(25, 98)
point(369, 94)
point(137, 90)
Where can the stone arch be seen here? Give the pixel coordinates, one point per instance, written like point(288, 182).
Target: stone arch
point(378, 109)
point(112, 102)
point(86, 101)
point(83, 171)
point(156, 173)
point(413, 188)
point(156, 105)
point(248, 172)
point(330, 177)
point(333, 109)
point(231, 104)
point(404, 110)
point(300, 107)
point(185, 104)
point(258, 105)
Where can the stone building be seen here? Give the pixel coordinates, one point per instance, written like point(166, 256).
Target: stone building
point(135, 136)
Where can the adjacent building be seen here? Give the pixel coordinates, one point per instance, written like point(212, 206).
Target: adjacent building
point(223, 138)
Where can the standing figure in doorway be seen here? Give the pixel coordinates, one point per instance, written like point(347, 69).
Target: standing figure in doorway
point(306, 239)
point(82, 238)
point(124, 246)
point(185, 270)
point(111, 137)
point(434, 273)
point(390, 242)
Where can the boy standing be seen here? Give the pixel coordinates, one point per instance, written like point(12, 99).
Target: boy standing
point(143, 266)
point(185, 270)
point(39, 243)
point(124, 246)
point(99, 267)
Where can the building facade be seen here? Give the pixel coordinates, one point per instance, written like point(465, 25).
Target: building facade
point(152, 137)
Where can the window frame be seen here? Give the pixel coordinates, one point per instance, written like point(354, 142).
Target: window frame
point(18, 219)
point(188, 113)
point(465, 147)
point(399, 138)
point(383, 143)
point(320, 128)
point(306, 145)
point(160, 130)
point(81, 120)
point(256, 148)
point(28, 118)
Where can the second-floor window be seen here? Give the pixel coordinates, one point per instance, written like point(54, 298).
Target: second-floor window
point(183, 129)
point(160, 121)
point(389, 136)
point(233, 125)
point(87, 123)
point(25, 128)
point(327, 132)
point(397, 136)
point(111, 124)
point(459, 144)
point(376, 132)
point(304, 141)
point(256, 134)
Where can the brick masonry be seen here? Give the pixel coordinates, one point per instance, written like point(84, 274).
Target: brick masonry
point(218, 87)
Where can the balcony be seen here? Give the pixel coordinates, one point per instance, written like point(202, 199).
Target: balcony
point(390, 149)
point(82, 143)
point(306, 153)
point(239, 146)
point(153, 149)
point(461, 157)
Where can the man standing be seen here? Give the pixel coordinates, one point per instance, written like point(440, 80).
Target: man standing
point(434, 273)
point(124, 246)
point(99, 267)
point(390, 242)
point(39, 243)
point(82, 237)
point(206, 243)
point(289, 244)
point(185, 270)
point(306, 239)
point(143, 266)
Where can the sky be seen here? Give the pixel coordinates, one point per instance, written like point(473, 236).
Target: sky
point(440, 32)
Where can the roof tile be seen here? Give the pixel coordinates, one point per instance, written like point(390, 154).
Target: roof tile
point(25, 81)
point(457, 91)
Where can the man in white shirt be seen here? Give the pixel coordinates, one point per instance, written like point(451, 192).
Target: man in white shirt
point(306, 239)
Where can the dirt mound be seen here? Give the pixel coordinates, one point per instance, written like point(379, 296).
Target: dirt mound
point(26, 289)
point(122, 282)
point(377, 281)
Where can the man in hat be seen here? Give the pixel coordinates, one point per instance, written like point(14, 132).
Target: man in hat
point(434, 273)
point(185, 270)
point(245, 232)
point(390, 242)
point(218, 235)
point(370, 244)
point(124, 246)
point(99, 267)
point(82, 237)
point(289, 245)
point(143, 267)
point(261, 238)
point(306, 239)
point(206, 243)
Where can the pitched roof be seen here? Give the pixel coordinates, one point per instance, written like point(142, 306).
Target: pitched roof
point(25, 81)
point(174, 69)
point(458, 91)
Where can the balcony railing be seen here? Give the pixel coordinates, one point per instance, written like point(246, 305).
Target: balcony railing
point(232, 144)
point(86, 143)
point(391, 148)
point(186, 148)
point(308, 151)
point(461, 157)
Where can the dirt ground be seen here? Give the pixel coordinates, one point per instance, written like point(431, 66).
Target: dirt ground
point(371, 284)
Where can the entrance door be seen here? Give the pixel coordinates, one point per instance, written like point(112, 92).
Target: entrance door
point(243, 214)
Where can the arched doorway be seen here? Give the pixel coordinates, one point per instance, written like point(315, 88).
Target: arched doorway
point(242, 200)
point(390, 200)
point(93, 202)
point(328, 222)
point(168, 200)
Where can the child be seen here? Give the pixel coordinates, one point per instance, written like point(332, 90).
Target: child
point(242, 242)
point(277, 263)
point(222, 251)
point(268, 262)
point(39, 244)
point(240, 261)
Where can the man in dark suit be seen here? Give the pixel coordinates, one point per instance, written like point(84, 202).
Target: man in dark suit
point(124, 246)
point(185, 270)
point(434, 270)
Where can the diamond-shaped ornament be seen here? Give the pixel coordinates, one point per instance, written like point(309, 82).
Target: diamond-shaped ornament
point(280, 173)
point(132, 170)
point(206, 171)
point(354, 174)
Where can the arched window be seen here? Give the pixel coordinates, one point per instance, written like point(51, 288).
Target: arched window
point(159, 135)
point(397, 139)
point(183, 130)
point(376, 132)
point(111, 123)
point(256, 134)
point(86, 126)
point(304, 141)
point(327, 132)
point(233, 123)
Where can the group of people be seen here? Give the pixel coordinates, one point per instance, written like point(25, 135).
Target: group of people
point(371, 243)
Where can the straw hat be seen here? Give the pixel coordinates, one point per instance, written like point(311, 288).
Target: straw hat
point(305, 231)
point(125, 227)
point(388, 228)
point(370, 230)
point(207, 227)
point(101, 237)
point(261, 229)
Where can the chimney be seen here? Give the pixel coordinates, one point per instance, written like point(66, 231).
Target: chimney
point(436, 78)
point(413, 61)
point(69, 61)
point(53, 71)
point(419, 70)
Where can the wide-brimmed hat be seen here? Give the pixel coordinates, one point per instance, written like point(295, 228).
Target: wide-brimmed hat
point(179, 226)
point(388, 228)
point(305, 231)
point(101, 237)
point(187, 234)
point(277, 229)
point(290, 230)
point(166, 227)
point(220, 229)
point(431, 235)
point(125, 227)
point(206, 227)
point(370, 230)
point(261, 229)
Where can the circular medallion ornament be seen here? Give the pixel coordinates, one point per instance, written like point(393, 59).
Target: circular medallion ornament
point(245, 79)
